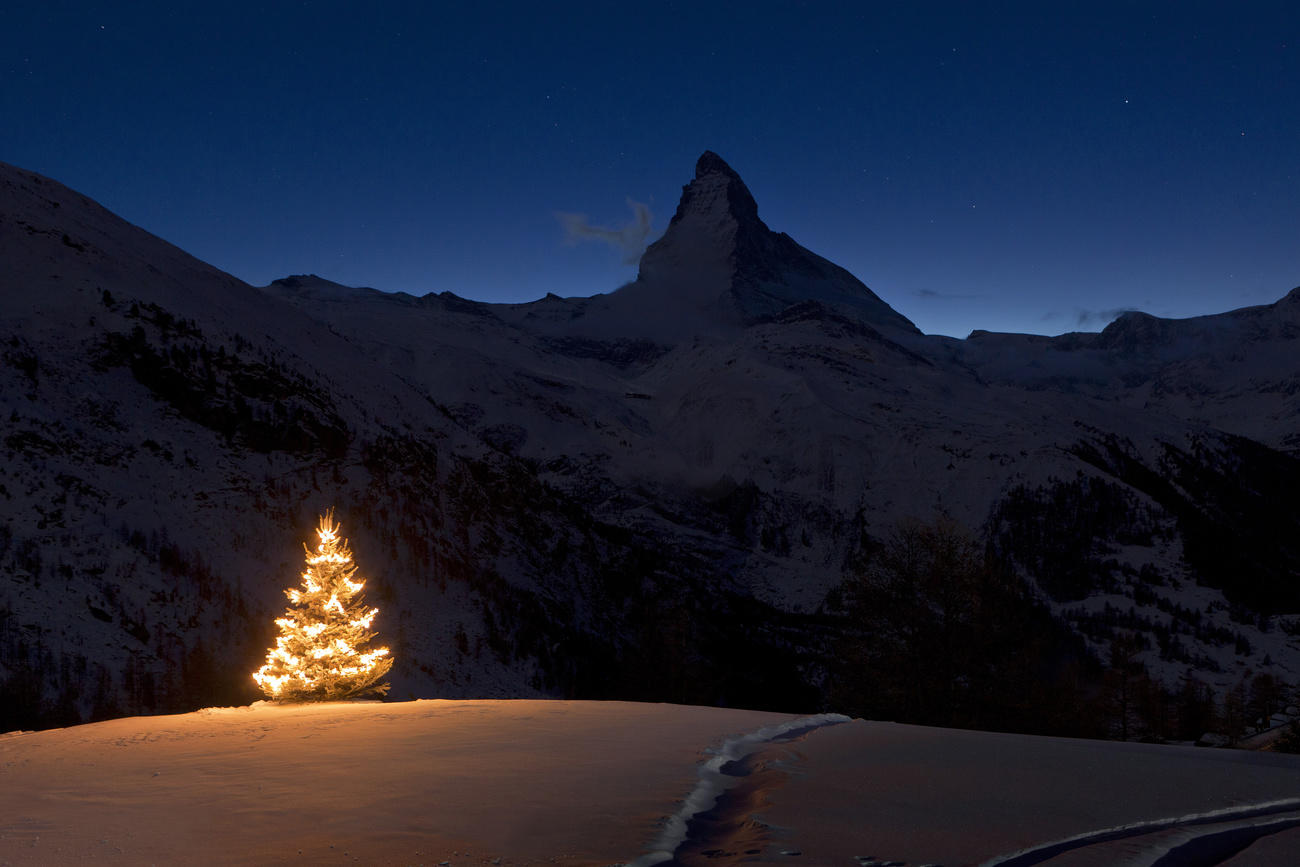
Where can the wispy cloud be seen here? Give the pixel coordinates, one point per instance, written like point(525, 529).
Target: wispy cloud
point(1083, 318)
point(1100, 317)
point(630, 238)
point(947, 296)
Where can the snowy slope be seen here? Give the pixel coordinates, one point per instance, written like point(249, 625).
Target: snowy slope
point(1238, 371)
point(683, 394)
point(598, 783)
point(655, 493)
point(170, 436)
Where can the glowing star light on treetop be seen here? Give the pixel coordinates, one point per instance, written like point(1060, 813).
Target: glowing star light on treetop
point(321, 652)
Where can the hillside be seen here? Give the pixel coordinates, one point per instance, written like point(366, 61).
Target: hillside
point(694, 488)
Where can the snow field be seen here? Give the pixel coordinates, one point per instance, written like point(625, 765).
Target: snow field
point(598, 783)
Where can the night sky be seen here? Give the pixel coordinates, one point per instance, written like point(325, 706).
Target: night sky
point(1029, 169)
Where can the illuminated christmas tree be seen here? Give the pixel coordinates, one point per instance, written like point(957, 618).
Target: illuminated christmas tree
point(321, 652)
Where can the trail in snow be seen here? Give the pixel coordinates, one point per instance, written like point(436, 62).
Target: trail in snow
point(713, 780)
point(1215, 847)
point(1195, 851)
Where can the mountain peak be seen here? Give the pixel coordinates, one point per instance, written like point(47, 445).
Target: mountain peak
point(315, 286)
point(710, 163)
point(718, 194)
point(718, 256)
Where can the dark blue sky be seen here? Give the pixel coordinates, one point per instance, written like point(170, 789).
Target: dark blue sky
point(1030, 167)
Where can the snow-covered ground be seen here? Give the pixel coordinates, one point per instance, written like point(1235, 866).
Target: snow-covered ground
point(943, 796)
point(588, 783)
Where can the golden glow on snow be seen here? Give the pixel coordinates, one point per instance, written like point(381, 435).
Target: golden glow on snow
point(319, 653)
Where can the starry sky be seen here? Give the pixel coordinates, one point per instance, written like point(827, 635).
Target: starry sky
point(1032, 167)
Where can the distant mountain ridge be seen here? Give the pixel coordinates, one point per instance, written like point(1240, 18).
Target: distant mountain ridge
point(674, 491)
point(1237, 371)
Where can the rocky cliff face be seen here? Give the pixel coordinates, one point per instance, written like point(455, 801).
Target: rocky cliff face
point(675, 491)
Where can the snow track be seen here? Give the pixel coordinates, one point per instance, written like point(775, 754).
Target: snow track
point(1231, 831)
point(714, 779)
point(1214, 847)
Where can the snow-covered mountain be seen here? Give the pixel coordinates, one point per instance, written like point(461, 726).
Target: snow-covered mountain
point(1236, 371)
point(670, 491)
point(717, 268)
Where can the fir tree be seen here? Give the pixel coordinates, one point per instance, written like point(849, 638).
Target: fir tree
point(321, 654)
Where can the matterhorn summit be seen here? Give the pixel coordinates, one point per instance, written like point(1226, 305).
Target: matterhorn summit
point(716, 218)
point(719, 267)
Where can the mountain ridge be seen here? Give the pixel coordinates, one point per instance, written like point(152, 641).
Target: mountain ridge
point(613, 497)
